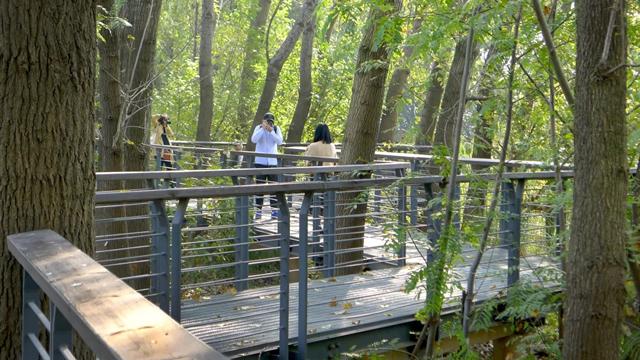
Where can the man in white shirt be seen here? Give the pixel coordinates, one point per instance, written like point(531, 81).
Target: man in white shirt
point(267, 137)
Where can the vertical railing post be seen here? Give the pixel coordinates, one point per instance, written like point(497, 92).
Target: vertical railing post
point(283, 230)
point(329, 234)
point(303, 276)
point(241, 248)
point(30, 324)
point(61, 335)
point(176, 258)
point(159, 262)
point(402, 220)
point(433, 223)
point(177, 157)
point(413, 215)
point(316, 221)
point(510, 227)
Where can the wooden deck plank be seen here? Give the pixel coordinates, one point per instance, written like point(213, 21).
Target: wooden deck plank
point(112, 318)
point(251, 323)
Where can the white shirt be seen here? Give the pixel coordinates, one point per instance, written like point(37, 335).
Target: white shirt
point(266, 142)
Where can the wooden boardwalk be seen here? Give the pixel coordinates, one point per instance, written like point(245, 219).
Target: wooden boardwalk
point(247, 322)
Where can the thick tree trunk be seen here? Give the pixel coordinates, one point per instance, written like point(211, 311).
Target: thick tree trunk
point(359, 143)
point(249, 76)
point(446, 119)
point(398, 82)
point(47, 180)
point(275, 66)
point(596, 259)
point(301, 113)
point(205, 115)
point(429, 114)
point(110, 146)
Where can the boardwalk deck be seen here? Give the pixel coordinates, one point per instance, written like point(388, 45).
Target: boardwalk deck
point(247, 322)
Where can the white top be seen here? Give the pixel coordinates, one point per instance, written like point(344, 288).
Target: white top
point(266, 142)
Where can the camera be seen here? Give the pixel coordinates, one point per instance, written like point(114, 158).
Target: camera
point(163, 120)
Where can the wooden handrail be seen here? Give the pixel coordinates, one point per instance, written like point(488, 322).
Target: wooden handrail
point(114, 320)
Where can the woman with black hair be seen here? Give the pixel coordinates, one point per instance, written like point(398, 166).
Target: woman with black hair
point(322, 145)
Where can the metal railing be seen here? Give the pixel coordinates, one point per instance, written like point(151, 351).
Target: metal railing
point(112, 319)
point(232, 251)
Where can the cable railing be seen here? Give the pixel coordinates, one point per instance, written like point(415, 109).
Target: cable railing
point(207, 248)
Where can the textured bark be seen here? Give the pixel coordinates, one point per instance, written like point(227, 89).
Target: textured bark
point(446, 119)
point(137, 60)
point(110, 146)
point(205, 70)
point(249, 76)
point(275, 66)
point(138, 71)
point(361, 129)
point(431, 105)
point(47, 180)
point(306, 86)
point(397, 84)
point(596, 258)
point(482, 145)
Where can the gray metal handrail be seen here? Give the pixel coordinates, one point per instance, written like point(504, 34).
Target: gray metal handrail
point(113, 320)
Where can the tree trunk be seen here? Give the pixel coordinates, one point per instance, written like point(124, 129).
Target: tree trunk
point(137, 62)
point(301, 113)
point(138, 71)
point(596, 258)
point(47, 179)
point(361, 129)
point(482, 145)
point(432, 100)
point(275, 66)
point(397, 84)
point(194, 53)
point(110, 146)
point(249, 76)
point(446, 119)
point(205, 115)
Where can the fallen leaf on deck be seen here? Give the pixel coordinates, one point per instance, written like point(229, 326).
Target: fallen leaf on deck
point(312, 331)
point(333, 302)
point(333, 279)
point(388, 314)
point(343, 312)
point(244, 307)
point(347, 306)
point(357, 322)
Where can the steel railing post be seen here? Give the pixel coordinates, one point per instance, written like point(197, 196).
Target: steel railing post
point(159, 263)
point(329, 234)
point(176, 258)
point(402, 221)
point(241, 248)
point(303, 276)
point(61, 335)
point(283, 230)
point(31, 293)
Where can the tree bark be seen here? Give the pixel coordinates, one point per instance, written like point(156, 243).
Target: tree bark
point(596, 258)
point(110, 147)
point(398, 82)
point(249, 76)
point(301, 113)
point(275, 66)
point(431, 105)
point(205, 115)
point(361, 130)
point(47, 179)
point(137, 62)
point(446, 120)
point(482, 145)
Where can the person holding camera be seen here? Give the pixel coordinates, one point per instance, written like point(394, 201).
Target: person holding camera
point(160, 136)
point(267, 137)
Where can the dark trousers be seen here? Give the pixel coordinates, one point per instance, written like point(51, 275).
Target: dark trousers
point(263, 179)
